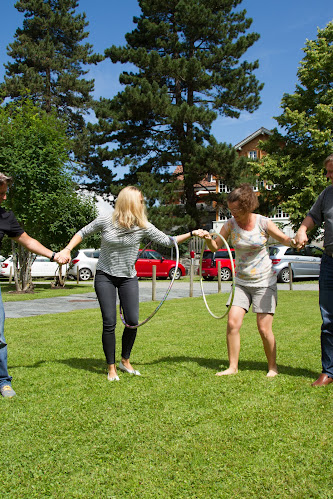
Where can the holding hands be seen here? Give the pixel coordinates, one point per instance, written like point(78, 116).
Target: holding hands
point(203, 234)
point(63, 257)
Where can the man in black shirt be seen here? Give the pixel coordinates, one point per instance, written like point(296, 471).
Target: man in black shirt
point(10, 226)
point(322, 212)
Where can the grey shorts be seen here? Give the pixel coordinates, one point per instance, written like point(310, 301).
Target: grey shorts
point(263, 300)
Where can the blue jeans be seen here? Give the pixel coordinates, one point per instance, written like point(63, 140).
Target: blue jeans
point(106, 287)
point(326, 309)
point(5, 379)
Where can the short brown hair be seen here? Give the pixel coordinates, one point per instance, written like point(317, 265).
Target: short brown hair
point(246, 198)
point(5, 179)
point(328, 159)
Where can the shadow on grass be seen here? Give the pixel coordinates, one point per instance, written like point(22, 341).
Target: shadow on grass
point(92, 365)
point(218, 364)
point(99, 365)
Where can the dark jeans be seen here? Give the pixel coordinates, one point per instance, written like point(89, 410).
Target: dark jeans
point(326, 309)
point(128, 290)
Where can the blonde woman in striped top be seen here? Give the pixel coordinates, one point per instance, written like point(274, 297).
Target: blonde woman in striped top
point(121, 235)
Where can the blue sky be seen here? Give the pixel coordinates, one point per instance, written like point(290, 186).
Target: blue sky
point(283, 26)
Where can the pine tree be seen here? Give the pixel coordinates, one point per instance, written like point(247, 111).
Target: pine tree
point(295, 160)
point(187, 57)
point(49, 61)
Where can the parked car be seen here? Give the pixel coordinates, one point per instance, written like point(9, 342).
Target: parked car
point(164, 267)
point(305, 263)
point(84, 261)
point(42, 267)
point(210, 264)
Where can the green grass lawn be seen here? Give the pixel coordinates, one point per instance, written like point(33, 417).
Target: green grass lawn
point(178, 431)
point(43, 290)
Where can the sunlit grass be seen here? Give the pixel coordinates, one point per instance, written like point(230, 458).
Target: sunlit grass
point(178, 431)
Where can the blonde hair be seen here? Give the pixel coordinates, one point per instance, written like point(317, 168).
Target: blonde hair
point(130, 208)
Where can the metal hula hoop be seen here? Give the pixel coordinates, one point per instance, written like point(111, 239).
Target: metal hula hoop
point(163, 299)
point(233, 277)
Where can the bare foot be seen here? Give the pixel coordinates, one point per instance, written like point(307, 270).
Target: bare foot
point(228, 371)
point(271, 373)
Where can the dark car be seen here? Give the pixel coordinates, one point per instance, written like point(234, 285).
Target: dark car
point(210, 264)
point(305, 263)
point(164, 267)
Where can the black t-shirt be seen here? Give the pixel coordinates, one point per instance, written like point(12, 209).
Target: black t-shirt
point(9, 225)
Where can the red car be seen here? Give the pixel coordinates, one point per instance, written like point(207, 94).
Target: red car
point(210, 266)
point(164, 267)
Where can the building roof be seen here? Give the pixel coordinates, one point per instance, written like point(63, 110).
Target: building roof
point(262, 131)
point(204, 183)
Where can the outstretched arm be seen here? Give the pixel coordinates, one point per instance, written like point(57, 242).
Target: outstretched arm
point(66, 252)
point(183, 237)
point(36, 247)
point(215, 244)
point(274, 231)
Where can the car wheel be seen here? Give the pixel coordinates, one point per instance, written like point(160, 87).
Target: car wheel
point(225, 274)
point(208, 277)
point(284, 275)
point(84, 274)
point(178, 274)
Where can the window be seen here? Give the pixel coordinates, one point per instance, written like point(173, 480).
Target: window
point(252, 154)
point(224, 214)
point(223, 187)
point(224, 254)
point(280, 213)
point(258, 185)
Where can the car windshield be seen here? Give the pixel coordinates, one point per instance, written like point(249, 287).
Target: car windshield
point(208, 254)
point(151, 255)
point(273, 250)
point(224, 254)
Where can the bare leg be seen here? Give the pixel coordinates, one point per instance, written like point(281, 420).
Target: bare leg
point(235, 320)
point(264, 323)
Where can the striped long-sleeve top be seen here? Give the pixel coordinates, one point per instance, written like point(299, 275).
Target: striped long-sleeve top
point(120, 246)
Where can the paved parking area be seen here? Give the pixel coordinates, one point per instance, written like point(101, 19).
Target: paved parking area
point(63, 304)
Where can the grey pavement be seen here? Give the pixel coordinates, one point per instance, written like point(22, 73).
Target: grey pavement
point(64, 304)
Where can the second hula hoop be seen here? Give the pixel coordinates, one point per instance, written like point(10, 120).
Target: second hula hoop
point(232, 272)
point(163, 299)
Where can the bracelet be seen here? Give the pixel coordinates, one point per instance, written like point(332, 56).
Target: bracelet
point(293, 243)
point(191, 233)
point(68, 248)
point(52, 257)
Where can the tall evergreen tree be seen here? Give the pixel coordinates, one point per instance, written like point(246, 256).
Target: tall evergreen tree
point(49, 60)
point(187, 57)
point(295, 160)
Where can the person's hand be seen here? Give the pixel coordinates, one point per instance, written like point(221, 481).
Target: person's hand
point(300, 239)
point(200, 233)
point(62, 257)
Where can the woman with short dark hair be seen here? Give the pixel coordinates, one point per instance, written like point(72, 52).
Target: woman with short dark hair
point(255, 278)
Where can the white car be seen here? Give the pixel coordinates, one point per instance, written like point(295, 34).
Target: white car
point(42, 267)
point(84, 262)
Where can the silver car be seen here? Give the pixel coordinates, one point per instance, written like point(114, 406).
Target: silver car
point(84, 262)
point(305, 263)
